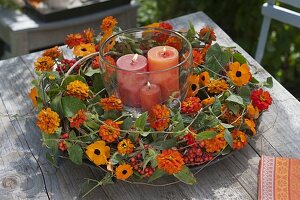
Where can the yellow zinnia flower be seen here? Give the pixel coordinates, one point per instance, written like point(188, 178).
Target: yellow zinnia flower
point(48, 121)
point(125, 146)
point(44, 63)
point(78, 89)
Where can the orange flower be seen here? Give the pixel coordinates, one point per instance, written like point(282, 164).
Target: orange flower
point(191, 105)
point(208, 101)
point(217, 143)
point(78, 89)
point(261, 99)
point(252, 112)
point(239, 75)
point(108, 24)
point(170, 161)
point(73, 40)
point(197, 57)
point(217, 86)
point(175, 42)
point(33, 95)
point(125, 146)
point(239, 139)
point(123, 171)
point(111, 103)
point(194, 85)
point(159, 117)
point(207, 34)
point(84, 49)
point(251, 125)
point(204, 78)
point(44, 63)
point(48, 121)
point(109, 131)
point(98, 153)
point(78, 119)
point(88, 35)
point(229, 116)
point(53, 53)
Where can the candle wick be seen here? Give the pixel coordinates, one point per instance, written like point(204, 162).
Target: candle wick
point(134, 58)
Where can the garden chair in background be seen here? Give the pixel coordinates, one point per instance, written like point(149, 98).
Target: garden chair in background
point(271, 11)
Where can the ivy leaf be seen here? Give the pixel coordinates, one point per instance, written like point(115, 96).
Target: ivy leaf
point(216, 107)
point(240, 58)
point(233, 107)
point(244, 92)
point(90, 71)
point(75, 152)
point(186, 176)
point(157, 174)
point(141, 121)
point(204, 135)
point(268, 83)
point(71, 105)
point(236, 99)
point(56, 105)
point(127, 123)
point(228, 137)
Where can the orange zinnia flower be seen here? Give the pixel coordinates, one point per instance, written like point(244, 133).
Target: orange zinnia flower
point(108, 24)
point(109, 131)
point(252, 111)
point(159, 117)
point(217, 86)
point(191, 105)
point(261, 99)
point(84, 49)
point(88, 35)
point(208, 101)
point(239, 139)
point(194, 85)
point(78, 119)
point(123, 171)
point(204, 78)
point(44, 63)
point(33, 95)
point(111, 103)
point(217, 143)
point(207, 34)
point(197, 57)
point(48, 121)
point(98, 153)
point(73, 40)
point(251, 125)
point(125, 146)
point(170, 161)
point(175, 42)
point(78, 89)
point(239, 75)
point(53, 53)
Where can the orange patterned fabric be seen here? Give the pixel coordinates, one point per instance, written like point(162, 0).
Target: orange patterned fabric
point(279, 178)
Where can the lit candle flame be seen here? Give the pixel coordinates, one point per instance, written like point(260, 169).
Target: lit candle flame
point(134, 58)
point(148, 84)
point(164, 50)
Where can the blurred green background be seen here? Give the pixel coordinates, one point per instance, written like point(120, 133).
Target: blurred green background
point(241, 20)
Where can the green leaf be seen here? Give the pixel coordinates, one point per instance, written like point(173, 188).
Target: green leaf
point(216, 107)
point(75, 153)
point(228, 137)
point(233, 107)
point(244, 92)
point(239, 58)
point(90, 71)
point(177, 123)
point(71, 106)
point(72, 135)
point(133, 136)
point(200, 120)
point(268, 83)
point(254, 80)
point(227, 125)
point(216, 59)
point(165, 144)
point(72, 78)
point(56, 105)
point(211, 121)
point(186, 176)
point(50, 141)
point(51, 158)
point(86, 187)
point(127, 123)
point(141, 121)
point(236, 99)
point(97, 82)
point(157, 174)
point(226, 151)
point(204, 135)
point(116, 158)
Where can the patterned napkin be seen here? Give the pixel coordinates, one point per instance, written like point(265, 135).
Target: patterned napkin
point(279, 178)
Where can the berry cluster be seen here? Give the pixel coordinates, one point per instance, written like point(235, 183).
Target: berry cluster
point(195, 155)
point(137, 164)
point(62, 144)
point(65, 65)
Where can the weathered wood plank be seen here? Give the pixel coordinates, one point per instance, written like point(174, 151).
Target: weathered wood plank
point(60, 184)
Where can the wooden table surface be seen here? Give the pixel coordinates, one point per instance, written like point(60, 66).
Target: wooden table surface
point(26, 174)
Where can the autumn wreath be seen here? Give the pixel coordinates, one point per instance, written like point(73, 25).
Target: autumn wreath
point(80, 121)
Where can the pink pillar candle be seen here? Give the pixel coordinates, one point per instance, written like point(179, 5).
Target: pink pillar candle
point(150, 95)
point(162, 58)
point(129, 81)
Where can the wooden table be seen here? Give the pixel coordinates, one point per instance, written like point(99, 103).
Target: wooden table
point(25, 173)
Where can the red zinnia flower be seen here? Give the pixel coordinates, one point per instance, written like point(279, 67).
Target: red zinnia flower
point(261, 99)
point(207, 34)
point(191, 105)
point(77, 120)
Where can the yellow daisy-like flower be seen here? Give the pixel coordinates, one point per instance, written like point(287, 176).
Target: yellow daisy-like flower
point(124, 171)
point(239, 75)
point(78, 89)
point(194, 85)
point(98, 153)
point(204, 78)
point(217, 86)
point(125, 146)
point(84, 49)
point(44, 63)
point(33, 94)
point(48, 121)
point(208, 101)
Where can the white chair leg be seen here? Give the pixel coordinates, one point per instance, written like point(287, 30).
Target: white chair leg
point(262, 39)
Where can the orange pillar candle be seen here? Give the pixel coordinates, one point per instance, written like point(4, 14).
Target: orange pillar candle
point(150, 95)
point(162, 58)
point(130, 78)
